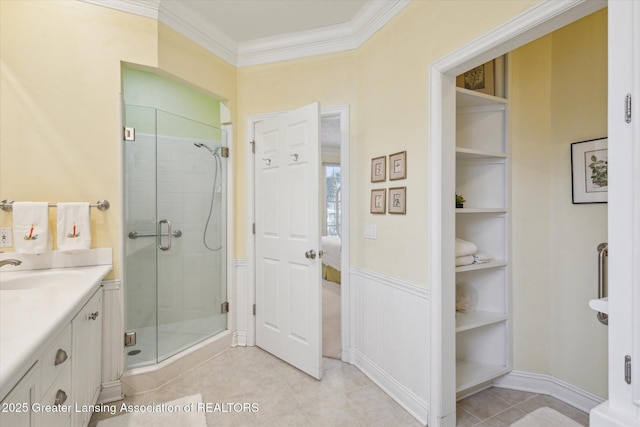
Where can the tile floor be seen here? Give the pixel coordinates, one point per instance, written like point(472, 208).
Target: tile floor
point(344, 397)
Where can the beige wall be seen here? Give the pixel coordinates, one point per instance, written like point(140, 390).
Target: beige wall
point(558, 96)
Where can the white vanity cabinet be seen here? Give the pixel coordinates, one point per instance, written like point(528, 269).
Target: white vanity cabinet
point(55, 368)
point(15, 409)
point(87, 357)
point(65, 378)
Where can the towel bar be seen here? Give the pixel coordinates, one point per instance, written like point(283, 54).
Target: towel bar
point(102, 205)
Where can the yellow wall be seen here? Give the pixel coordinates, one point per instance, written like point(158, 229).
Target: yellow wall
point(59, 110)
point(385, 83)
point(60, 141)
point(558, 96)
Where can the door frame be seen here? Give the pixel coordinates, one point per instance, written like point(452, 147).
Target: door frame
point(343, 111)
point(537, 21)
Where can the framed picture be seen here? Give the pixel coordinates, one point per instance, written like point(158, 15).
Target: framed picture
point(480, 79)
point(398, 166)
point(379, 169)
point(378, 201)
point(589, 171)
point(398, 200)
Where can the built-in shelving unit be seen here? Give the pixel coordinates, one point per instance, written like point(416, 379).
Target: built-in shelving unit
point(483, 336)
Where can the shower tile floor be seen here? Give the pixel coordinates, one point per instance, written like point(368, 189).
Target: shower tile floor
point(344, 397)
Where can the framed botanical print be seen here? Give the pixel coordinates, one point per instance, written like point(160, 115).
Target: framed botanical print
point(378, 201)
point(379, 169)
point(398, 166)
point(589, 171)
point(398, 200)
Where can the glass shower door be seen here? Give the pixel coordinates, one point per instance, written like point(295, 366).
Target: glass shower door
point(175, 234)
point(191, 222)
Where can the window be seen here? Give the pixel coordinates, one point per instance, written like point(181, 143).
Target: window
point(332, 200)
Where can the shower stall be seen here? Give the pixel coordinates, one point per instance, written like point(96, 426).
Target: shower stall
point(175, 235)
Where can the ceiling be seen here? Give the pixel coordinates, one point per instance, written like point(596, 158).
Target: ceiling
point(245, 20)
point(251, 32)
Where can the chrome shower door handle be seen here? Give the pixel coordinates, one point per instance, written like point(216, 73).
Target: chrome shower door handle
point(160, 245)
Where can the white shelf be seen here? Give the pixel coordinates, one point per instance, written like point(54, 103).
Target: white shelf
point(470, 98)
point(469, 373)
point(477, 319)
point(480, 210)
point(483, 266)
point(483, 337)
point(469, 153)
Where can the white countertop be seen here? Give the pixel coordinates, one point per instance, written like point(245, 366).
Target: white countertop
point(31, 319)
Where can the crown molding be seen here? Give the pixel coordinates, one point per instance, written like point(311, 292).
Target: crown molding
point(146, 8)
point(180, 18)
point(332, 39)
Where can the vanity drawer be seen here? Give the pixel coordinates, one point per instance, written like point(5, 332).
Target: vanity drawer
point(56, 404)
point(56, 358)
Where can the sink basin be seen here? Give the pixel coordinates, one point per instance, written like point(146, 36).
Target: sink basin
point(35, 279)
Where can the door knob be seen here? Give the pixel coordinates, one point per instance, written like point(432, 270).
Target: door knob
point(310, 254)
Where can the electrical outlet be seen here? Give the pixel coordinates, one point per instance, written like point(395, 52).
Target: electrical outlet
point(5, 237)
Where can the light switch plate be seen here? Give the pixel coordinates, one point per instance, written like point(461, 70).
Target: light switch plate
point(6, 240)
point(370, 231)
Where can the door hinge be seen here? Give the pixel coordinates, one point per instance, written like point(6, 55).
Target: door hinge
point(253, 146)
point(254, 309)
point(129, 134)
point(224, 152)
point(129, 339)
point(627, 369)
point(225, 307)
point(254, 228)
point(627, 114)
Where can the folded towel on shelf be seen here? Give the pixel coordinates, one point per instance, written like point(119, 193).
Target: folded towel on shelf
point(464, 260)
point(74, 227)
point(480, 258)
point(31, 227)
point(464, 248)
point(466, 298)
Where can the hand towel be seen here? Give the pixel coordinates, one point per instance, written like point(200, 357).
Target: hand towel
point(464, 248)
point(464, 260)
point(31, 227)
point(74, 227)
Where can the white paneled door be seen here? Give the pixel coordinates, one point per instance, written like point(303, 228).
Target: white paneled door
point(287, 238)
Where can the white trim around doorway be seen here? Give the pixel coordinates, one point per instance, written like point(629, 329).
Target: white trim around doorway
point(541, 19)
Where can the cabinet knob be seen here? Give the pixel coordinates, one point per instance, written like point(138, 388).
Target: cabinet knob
point(61, 356)
point(61, 397)
point(94, 315)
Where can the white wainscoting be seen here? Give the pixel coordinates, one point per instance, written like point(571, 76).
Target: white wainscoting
point(112, 341)
point(243, 307)
point(390, 337)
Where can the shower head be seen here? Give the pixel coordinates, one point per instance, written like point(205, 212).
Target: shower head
point(211, 150)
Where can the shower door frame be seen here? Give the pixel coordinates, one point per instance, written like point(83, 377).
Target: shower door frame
point(118, 330)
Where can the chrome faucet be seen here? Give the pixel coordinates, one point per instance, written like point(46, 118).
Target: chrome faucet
point(13, 262)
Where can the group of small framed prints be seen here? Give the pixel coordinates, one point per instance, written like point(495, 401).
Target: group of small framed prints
point(397, 195)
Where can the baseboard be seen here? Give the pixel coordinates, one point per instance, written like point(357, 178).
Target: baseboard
point(239, 339)
point(398, 392)
point(111, 392)
point(552, 386)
